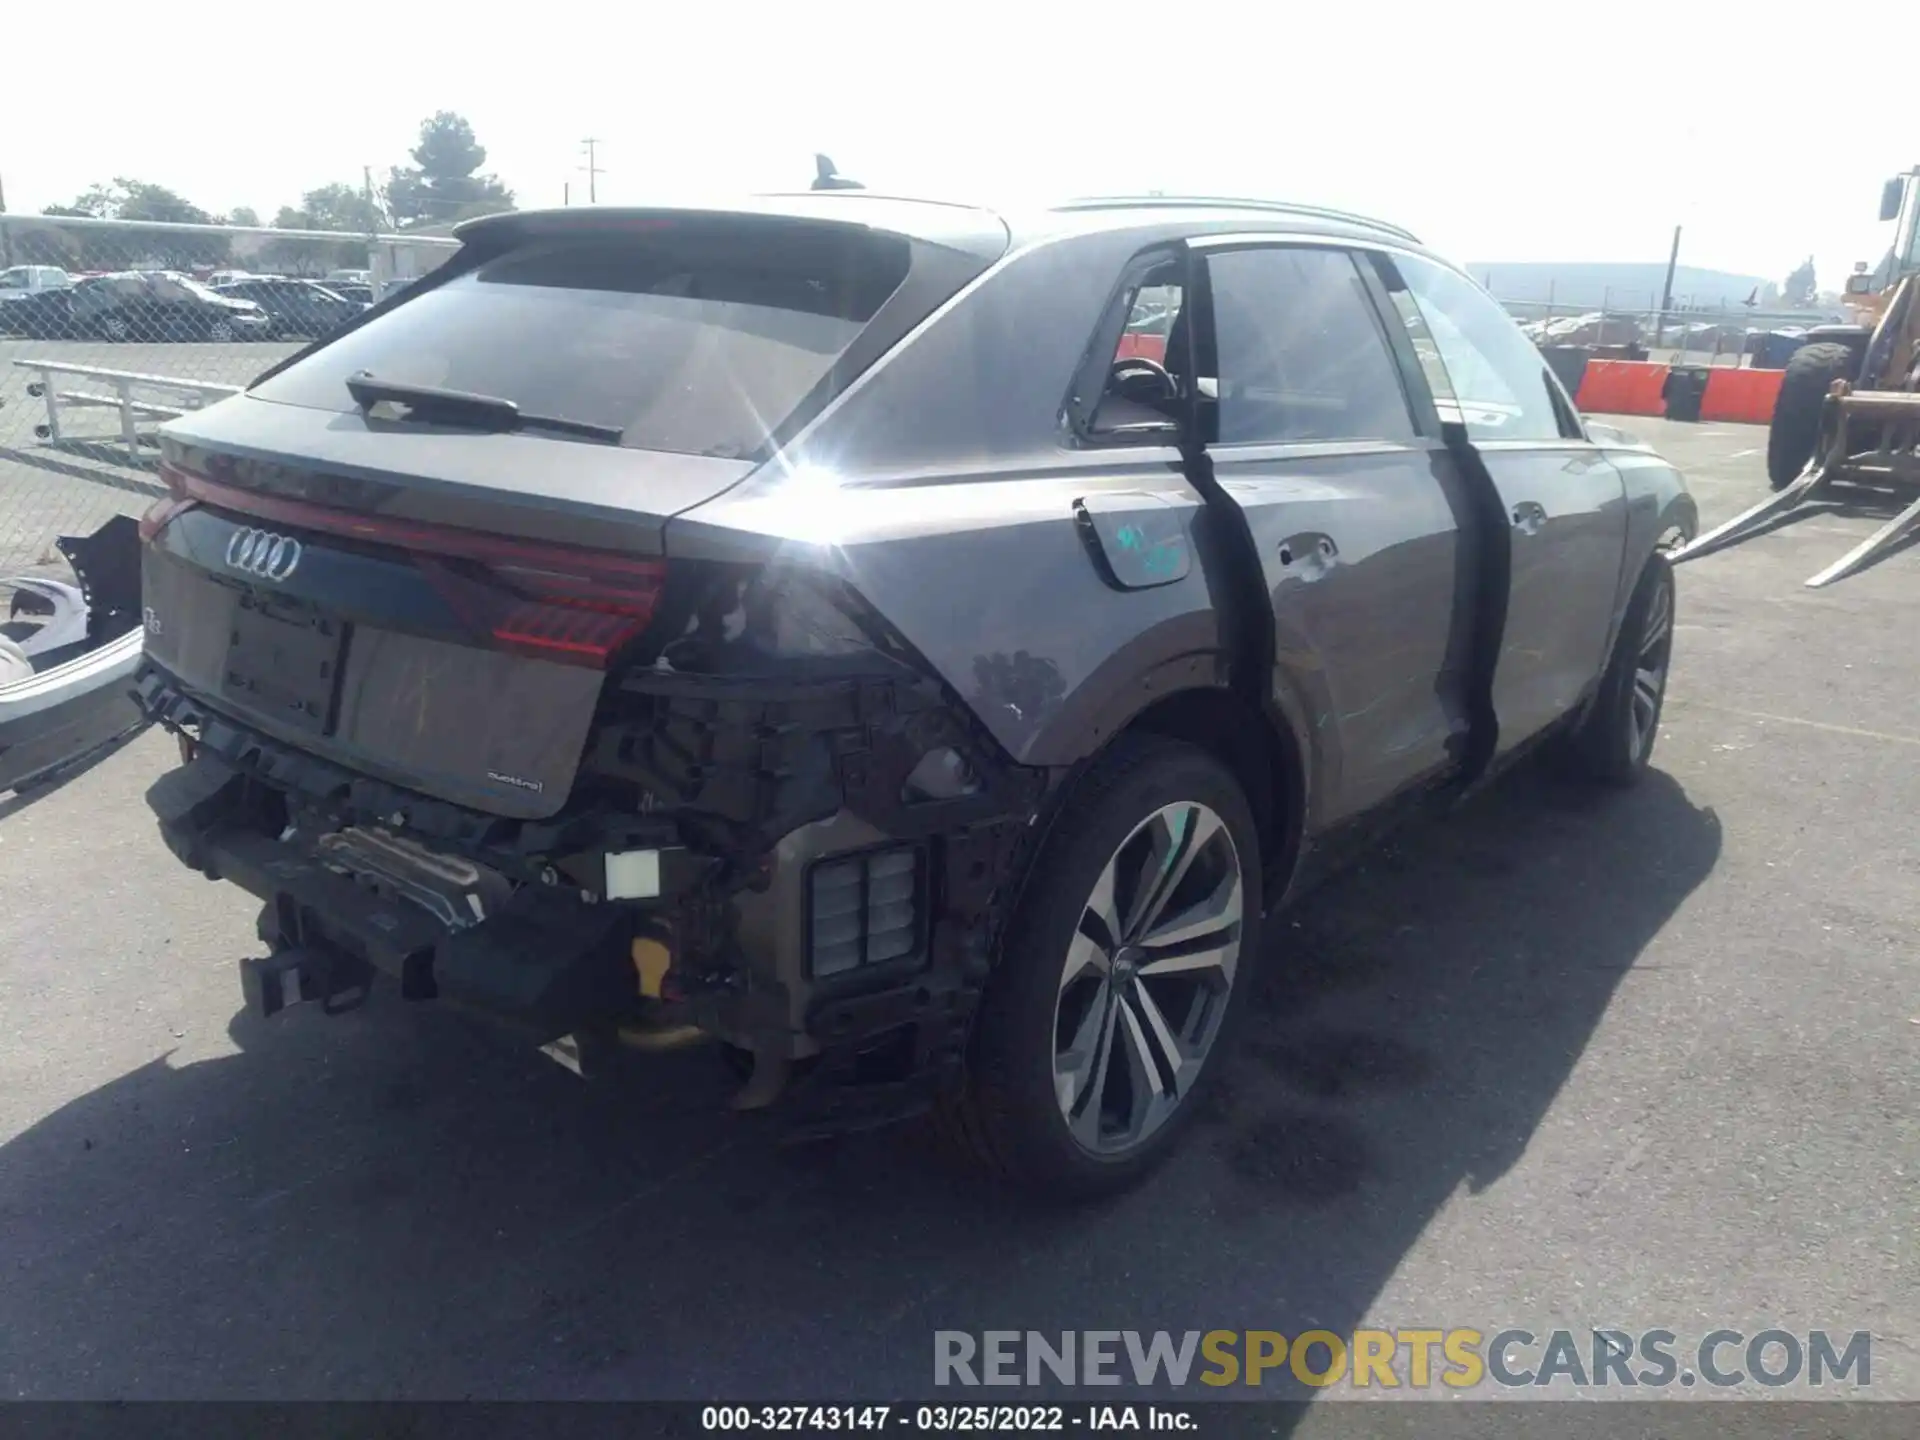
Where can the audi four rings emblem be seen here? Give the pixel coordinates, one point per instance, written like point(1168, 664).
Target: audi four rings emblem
point(271, 557)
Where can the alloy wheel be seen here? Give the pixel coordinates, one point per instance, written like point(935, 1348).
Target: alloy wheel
point(1650, 671)
point(1147, 978)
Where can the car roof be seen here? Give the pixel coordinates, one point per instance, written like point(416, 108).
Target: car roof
point(981, 230)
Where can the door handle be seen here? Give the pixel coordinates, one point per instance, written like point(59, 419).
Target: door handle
point(1529, 516)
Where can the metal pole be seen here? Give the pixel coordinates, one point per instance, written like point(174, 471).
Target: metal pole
point(1666, 290)
point(593, 172)
point(6, 232)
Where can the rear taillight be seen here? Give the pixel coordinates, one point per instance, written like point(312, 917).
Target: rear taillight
point(558, 602)
point(155, 519)
point(574, 614)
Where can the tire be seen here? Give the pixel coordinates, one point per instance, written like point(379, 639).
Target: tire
point(1614, 740)
point(1795, 431)
point(1055, 995)
point(116, 329)
point(220, 332)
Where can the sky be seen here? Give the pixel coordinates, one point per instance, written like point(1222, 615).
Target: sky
point(1495, 131)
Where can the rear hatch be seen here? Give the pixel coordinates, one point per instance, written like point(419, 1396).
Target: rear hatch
point(417, 550)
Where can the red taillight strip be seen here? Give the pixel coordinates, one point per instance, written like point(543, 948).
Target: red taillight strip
point(156, 516)
point(450, 541)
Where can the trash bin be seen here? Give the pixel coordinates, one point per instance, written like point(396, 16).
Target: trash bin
point(1683, 391)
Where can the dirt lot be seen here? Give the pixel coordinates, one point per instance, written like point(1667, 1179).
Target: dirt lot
point(1634, 1062)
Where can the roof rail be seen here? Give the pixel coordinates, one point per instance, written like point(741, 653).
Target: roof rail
point(1230, 202)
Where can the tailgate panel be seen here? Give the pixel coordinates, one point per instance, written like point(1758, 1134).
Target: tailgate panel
point(284, 661)
point(496, 731)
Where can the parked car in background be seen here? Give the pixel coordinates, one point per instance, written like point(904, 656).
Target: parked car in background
point(32, 280)
point(38, 314)
point(352, 290)
point(293, 307)
point(162, 305)
point(810, 628)
point(1593, 328)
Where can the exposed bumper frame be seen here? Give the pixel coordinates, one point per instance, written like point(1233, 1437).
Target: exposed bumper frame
point(747, 775)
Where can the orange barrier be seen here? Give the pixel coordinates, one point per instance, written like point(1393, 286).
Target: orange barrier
point(1743, 395)
point(1623, 387)
point(1146, 347)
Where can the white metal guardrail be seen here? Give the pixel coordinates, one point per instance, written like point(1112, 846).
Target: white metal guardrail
point(137, 396)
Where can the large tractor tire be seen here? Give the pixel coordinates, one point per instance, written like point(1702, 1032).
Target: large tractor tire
point(1795, 431)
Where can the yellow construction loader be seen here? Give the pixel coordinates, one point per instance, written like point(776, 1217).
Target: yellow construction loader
point(1848, 412)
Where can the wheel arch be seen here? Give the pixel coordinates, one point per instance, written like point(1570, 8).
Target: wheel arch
point(1266, 758)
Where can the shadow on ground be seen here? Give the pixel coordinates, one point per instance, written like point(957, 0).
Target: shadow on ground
point(51, 782)
point(394, 1204)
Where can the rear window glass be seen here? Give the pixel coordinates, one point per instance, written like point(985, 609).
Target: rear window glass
point(698, 341)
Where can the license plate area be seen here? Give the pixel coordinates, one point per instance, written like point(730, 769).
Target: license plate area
point(283, 661)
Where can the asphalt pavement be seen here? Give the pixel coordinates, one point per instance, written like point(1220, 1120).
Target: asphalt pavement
point(47, 492)
point(1636, 1061)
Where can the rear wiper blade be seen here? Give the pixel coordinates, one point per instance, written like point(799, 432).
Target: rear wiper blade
point(466, 409)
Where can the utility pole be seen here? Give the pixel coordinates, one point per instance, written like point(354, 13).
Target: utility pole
point(566, 193)
point(1666, 291)
point(373, 215)
point(593, 171)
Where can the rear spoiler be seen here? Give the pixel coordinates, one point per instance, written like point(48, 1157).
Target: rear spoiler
point(967, 229)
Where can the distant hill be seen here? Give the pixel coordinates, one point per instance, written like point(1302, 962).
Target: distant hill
point(1628, 285)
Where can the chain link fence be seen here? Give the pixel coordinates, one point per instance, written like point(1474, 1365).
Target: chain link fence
point(109, 328)
point(1690, 330)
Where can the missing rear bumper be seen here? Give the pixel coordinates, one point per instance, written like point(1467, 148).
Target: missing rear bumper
point(741, 802)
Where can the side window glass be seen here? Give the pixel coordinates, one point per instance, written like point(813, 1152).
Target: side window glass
point(1144, 393)
point(1484, 372)
point(1427, 351)
point(1302, 356)
point(1149, 323)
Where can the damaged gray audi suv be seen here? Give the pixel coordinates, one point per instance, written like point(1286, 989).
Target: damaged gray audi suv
point(909, 646)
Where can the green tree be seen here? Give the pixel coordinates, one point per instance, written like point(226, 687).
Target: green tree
point(243, 215)
point(1801, 288)
point(444, 184)
point(331, 207)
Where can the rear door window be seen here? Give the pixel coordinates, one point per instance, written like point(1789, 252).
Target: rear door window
point(701, 340)
point(1482, 369)
point(1302, 354)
